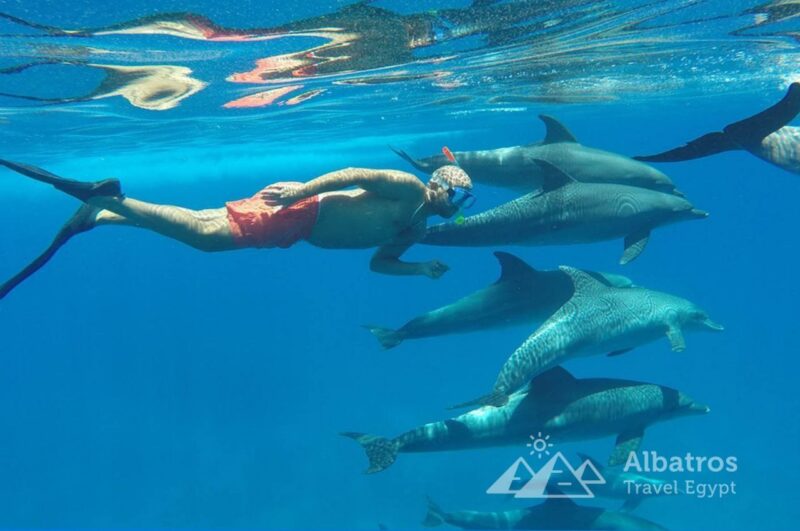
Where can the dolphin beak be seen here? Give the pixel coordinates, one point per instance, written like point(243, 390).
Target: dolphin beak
point(699, 408)
point(699, 214)
point(711, 325)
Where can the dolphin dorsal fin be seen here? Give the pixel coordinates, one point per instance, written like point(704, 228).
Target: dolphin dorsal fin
point(556, 131)
point(553, 177)
point(512, 266)
point(557, 501)
point(583, 281)
point(551, 382)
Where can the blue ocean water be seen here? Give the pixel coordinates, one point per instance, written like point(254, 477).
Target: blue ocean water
point(146, 384)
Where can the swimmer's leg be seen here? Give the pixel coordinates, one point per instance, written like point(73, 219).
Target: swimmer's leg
point(206, 230)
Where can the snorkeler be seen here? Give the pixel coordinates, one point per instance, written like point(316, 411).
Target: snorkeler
point(387, 209)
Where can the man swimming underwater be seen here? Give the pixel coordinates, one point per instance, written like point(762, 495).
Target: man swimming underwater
point(353, 208)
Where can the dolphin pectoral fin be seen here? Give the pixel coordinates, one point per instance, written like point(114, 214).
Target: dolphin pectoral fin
point(553, 178)
point(631, 504)
point(635, 243)
point(614, 280)
point(619, 352)
point(676, 339)
point(494, 399)
point(709, 144)
point(627, 442)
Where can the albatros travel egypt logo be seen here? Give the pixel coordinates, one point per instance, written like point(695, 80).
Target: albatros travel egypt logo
point(558, 478)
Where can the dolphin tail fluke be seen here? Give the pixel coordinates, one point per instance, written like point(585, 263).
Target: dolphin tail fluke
point(406, 157)
point(81, 221)
point(434, 516)
point(744, 134)
point(380, 451)
point(388, 338)
point(494, 399)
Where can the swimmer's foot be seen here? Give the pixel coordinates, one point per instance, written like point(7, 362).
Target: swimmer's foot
point(80, 190)
point(83, 220)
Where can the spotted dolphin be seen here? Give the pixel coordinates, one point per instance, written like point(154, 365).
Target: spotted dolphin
point(765, 135)
point(521, 295)
point(598, 319)
point(553, 513)
point(617, 482)
point(555, 403)
point(516, 168)
point(566, 211)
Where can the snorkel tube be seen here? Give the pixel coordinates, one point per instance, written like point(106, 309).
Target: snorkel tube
point(449, 155)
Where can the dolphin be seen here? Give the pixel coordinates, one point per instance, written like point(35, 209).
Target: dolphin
point(765, 135)
point(554, 513)
point(555, 403)
point(515, 167)
point(566, 211)
point(521, 295)
point(615, 486)
point(598, 319)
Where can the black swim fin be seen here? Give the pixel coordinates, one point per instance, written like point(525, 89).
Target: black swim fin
point(744, 134)
point(81, 221)
point(80, 190)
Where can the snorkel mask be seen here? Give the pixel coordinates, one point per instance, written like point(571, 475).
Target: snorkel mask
point(458, 196)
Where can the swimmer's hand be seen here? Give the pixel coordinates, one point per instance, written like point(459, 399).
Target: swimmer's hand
point(282, 193)
point(434, 269)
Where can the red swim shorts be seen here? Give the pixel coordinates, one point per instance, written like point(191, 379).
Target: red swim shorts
point(253, 223)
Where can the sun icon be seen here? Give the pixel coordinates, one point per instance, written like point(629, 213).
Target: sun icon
point(539, 445)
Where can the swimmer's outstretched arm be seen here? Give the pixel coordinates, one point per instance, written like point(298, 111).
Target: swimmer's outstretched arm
point(386, 260)
point(388, 183)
